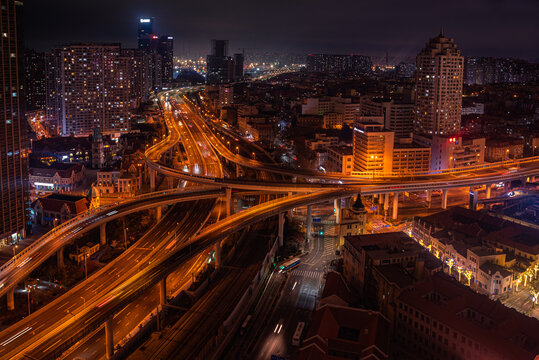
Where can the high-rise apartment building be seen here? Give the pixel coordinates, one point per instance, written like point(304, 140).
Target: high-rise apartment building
point(34, 79)
point(139, 65)
point(339, 64)
point(439, 88)
point(88, 87)
point(398, 115)
point(13, 137)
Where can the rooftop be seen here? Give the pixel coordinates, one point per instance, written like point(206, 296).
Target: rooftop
point(503, 330)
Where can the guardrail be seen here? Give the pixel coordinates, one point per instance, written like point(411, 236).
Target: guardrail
point(84, 216)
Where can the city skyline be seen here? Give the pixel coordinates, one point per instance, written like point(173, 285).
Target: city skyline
point(303, 28)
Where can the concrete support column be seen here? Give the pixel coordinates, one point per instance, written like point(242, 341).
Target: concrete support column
point(228, 201)
point(429, 198)
point(281, 229)
point(163, 291)
point(11, 299)
point(60, 258)
point(290, 193)
point(386, 202)
point(444, 199)
point(109, 340)
point(488, 192)
point(170, 182)
point(103, 234)
point(237, 171)
point(395, 205)
point(337, 205)
point(309, 223)
point(523, 181)
point(153, 174)
point(158, 211)
point(217, 249)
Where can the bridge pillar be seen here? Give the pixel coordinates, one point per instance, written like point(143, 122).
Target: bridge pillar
point(386, 201)
point(237, 171)
point(170, 182)
point(228, 201)
point(290, 193)
point(60, 258)
point(309, 223)
point(103, 234)
point(337, 205)
point(444, 199)
point(523, 181)
point(152, 179)
point(281, 229)
point(163, 291)
point(217, 249)
point(429, 198)
point(395, 206)
point(109, 340)
point(158, 211)
point(11, 299)
point(489, 189)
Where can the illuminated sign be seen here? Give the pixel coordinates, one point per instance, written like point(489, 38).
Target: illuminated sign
point(43, 184)
point(154, 37)
point(145, 20)
point(170, 38)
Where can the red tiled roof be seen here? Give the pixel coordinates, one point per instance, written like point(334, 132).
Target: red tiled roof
point(335, 285)
point(512, 334)
point(372, 329)
point(55, 202)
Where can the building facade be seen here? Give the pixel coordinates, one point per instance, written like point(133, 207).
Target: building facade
point(439, 88)
point(88, 87)
point(373, 148)
point(13, 130)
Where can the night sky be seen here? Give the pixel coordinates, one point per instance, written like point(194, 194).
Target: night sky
point(401, 27)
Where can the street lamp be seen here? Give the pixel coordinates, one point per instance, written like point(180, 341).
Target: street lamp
point(14, 254)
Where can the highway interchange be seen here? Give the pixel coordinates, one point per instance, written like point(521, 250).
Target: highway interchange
point(80, 312)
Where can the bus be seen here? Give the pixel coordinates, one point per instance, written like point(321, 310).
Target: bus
point(296, 339)
point(289, 265)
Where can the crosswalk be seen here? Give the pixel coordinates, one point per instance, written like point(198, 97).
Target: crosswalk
point(307, 273)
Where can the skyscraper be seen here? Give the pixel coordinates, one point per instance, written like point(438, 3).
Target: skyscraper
point(166, 51)
point(238, 65)
point(220, 66)
point(13, 137)
point(145, 33)
point(88, 87)
point(439, 88)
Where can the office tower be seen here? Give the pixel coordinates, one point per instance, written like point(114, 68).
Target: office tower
point(439, 88)
point(339, 64)
point(220, 67)
point(373, 147)
point(219, 48)
point(145, 33)
point(238, 65)
point(13, 137)
point(34, 79)
point(88, 88)
point(165, 49)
